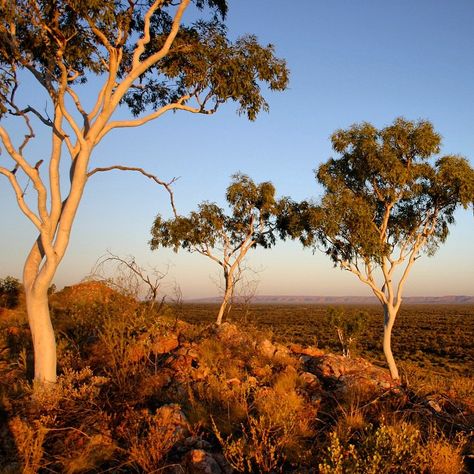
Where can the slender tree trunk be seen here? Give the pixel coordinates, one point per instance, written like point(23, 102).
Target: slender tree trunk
point(44, 342)
point(227, 297)
point(39, 270)
point(389, 319)
point(340, 335)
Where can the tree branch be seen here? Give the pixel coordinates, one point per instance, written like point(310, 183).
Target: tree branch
point(148, 118)
point(20, 198)
point(145, 39)
point(368, 281)
point(166, 185)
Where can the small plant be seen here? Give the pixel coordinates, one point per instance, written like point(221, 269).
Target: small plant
point(348, 327)
point(383, 450)
point(259, 447)
point(150, 437)
point(443, 455)
point(10, 288)
point(29, 440)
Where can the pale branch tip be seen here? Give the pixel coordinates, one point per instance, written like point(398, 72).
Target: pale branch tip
point(166, 185)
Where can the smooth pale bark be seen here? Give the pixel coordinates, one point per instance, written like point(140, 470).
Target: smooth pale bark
point(389, 319)
point(55, 216)
point(227, 297)
point(39, 270)
point(44, 342)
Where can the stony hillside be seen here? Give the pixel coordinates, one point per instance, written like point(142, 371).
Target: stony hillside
point(141, 392)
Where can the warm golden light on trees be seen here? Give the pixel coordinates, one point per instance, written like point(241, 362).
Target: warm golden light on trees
point(223, 237)
point(145, 58)
point(384, 205)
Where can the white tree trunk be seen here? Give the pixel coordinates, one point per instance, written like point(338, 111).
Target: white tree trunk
point(227, 296)
point(44, 342)
point(389, 319)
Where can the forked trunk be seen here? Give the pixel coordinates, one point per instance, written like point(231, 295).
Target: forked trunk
point(44, 342)
point(389, 319)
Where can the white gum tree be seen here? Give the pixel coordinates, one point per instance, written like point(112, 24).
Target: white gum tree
point(143, 57)
point(225, 238)
point(384, 205)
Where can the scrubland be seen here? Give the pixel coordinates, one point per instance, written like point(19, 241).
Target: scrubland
point(267, 391)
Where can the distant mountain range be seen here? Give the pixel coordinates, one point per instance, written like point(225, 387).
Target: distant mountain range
point(279, 299)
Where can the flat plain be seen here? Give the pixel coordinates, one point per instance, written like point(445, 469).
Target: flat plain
point(439, 338)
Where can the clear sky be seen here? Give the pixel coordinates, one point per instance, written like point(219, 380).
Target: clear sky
point(350, 61)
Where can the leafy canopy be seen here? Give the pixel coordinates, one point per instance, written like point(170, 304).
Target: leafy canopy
point(55, 39)
point(252, 219)
point(382, 194)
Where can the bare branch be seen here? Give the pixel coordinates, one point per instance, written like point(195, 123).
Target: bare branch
point(79, 108)
point(166, 185)
point(20, 198)
point(128, 270)
point(140, 67)
point(367, 280)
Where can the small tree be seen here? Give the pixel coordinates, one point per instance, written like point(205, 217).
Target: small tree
point(140, 55)
point(10, 288)
point(225, 239)
point(126, 276)
point(348, 327)
point(384, 204)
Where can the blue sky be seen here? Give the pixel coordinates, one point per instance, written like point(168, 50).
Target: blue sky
point(350, 61)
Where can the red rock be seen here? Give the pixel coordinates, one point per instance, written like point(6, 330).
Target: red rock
point(199, 461)
point(172, 415)
point(310, 381)
point(165, 344)
point(308, 351)
point(266, 348)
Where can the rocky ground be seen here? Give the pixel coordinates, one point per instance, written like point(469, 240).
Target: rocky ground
point(141, 393)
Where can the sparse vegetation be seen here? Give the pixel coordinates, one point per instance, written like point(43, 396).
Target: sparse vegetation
point(141, 392)
point(385, 204)
point(225, 238)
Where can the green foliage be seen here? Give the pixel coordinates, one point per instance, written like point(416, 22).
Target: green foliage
point(10, 289)
point(348, 326)
point(46, 37)
point(382, 193)
point(253, 216)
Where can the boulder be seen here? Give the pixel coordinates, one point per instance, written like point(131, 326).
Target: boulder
point(266, 348)
point(165, 344)
point(311, 382)
point(198, 461)
point(347, 372)
point(307, 351)
point(172, 415)
point(228, 331)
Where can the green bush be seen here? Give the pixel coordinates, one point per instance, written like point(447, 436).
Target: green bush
point(10, 289)
point(348, 327)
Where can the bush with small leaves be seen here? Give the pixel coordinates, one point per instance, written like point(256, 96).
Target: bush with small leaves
point(10, 289)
